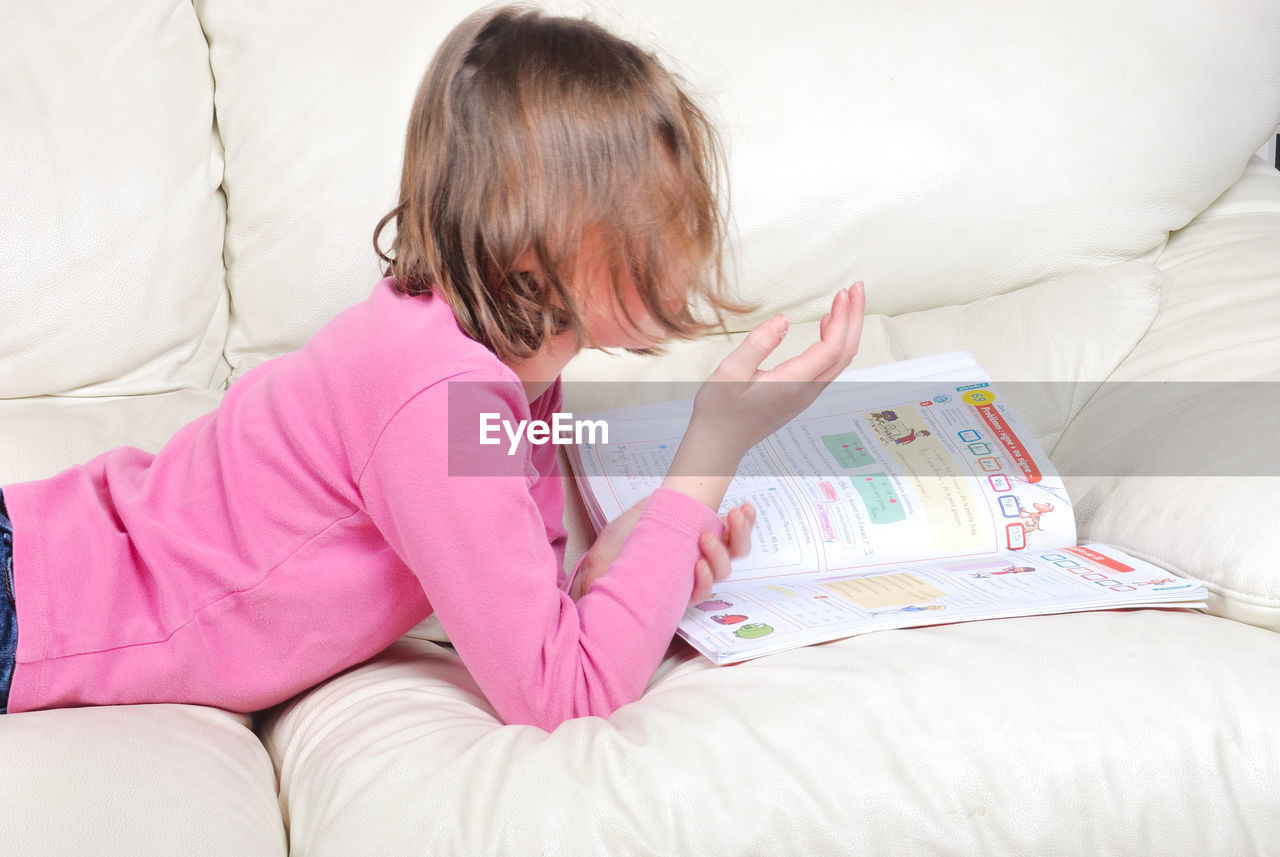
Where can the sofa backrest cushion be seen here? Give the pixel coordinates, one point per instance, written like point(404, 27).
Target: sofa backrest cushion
point(111, 217)
point(1048, 347)
point(941, 152)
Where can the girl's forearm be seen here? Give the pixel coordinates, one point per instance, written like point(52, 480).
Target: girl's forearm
point(703, 467)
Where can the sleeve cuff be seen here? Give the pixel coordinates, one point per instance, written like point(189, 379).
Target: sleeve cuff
point(682, 511)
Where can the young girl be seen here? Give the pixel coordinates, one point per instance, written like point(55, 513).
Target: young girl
point(558, 193)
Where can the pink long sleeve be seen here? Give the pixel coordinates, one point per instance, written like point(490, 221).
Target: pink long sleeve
point(314, 518)
point(479, 546)
point(547, 489)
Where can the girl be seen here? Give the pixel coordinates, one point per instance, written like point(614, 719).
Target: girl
point(559, 192)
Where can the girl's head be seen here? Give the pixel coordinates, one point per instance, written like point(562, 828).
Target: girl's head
point(555, 174)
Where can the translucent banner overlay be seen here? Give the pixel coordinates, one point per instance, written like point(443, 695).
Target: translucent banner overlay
point(1017, 430)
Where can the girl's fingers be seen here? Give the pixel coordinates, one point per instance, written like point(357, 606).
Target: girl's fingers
point(853, 335)
point(702, 581)
point(733, 531)
point(743, 361)
point(858, 296)
point(839, 332)
point(741, 520)
point(826, 352)
point(716, 553)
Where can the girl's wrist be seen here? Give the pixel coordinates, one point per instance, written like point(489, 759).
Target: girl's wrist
point(707, 490)
point(703, 467)
point(713, 449)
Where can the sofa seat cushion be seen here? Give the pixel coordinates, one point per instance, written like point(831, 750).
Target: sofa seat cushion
point(1002, 737)
point(137, 780)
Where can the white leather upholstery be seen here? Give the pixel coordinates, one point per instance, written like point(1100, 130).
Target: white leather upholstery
point(44, 435)
point(941, 153)
point(136, 780)
point(1207, 481)
point(950, 155)
point(1050, 346)
point(1099, 733)
point(111, 216)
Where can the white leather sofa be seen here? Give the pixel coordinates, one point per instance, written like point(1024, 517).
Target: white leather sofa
point(1065, 189)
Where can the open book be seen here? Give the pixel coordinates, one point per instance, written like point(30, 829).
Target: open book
point(907, 494)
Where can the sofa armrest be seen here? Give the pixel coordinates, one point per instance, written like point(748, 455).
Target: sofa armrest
point(1175, 458)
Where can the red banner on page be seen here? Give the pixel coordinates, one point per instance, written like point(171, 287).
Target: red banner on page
point(1100, 559)
point(1010, 442)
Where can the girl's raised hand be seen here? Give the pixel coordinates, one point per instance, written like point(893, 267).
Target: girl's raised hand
point(741, 404)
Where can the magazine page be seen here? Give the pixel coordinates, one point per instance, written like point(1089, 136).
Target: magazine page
point(747, 623)
point(911, 461)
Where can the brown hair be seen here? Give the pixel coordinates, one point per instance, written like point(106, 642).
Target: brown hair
point(529, 133)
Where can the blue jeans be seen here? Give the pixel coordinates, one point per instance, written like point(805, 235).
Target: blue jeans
point(8, 609)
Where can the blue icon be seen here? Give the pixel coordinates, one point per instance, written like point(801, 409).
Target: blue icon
point(941, 399)
point(969, 436)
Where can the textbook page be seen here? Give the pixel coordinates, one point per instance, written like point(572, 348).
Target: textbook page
point(765, 619)
point(910, 461)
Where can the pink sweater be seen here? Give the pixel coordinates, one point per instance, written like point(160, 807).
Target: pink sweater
point(323, 510)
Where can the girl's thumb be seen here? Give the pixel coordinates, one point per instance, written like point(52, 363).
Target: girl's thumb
point(744, 360)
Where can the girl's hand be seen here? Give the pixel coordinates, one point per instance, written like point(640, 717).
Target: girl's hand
point(745, 404)
point(713, 566)
point(605, 550)
point(741, 404)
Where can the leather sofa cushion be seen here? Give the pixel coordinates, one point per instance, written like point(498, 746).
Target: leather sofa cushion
point(852, 157)
point(1003, 737)
point(1055, 342)
point(1176, 458)
point(112, 217)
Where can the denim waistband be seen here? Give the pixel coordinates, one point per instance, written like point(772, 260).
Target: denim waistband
point(8, 609)
point(6, 547)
